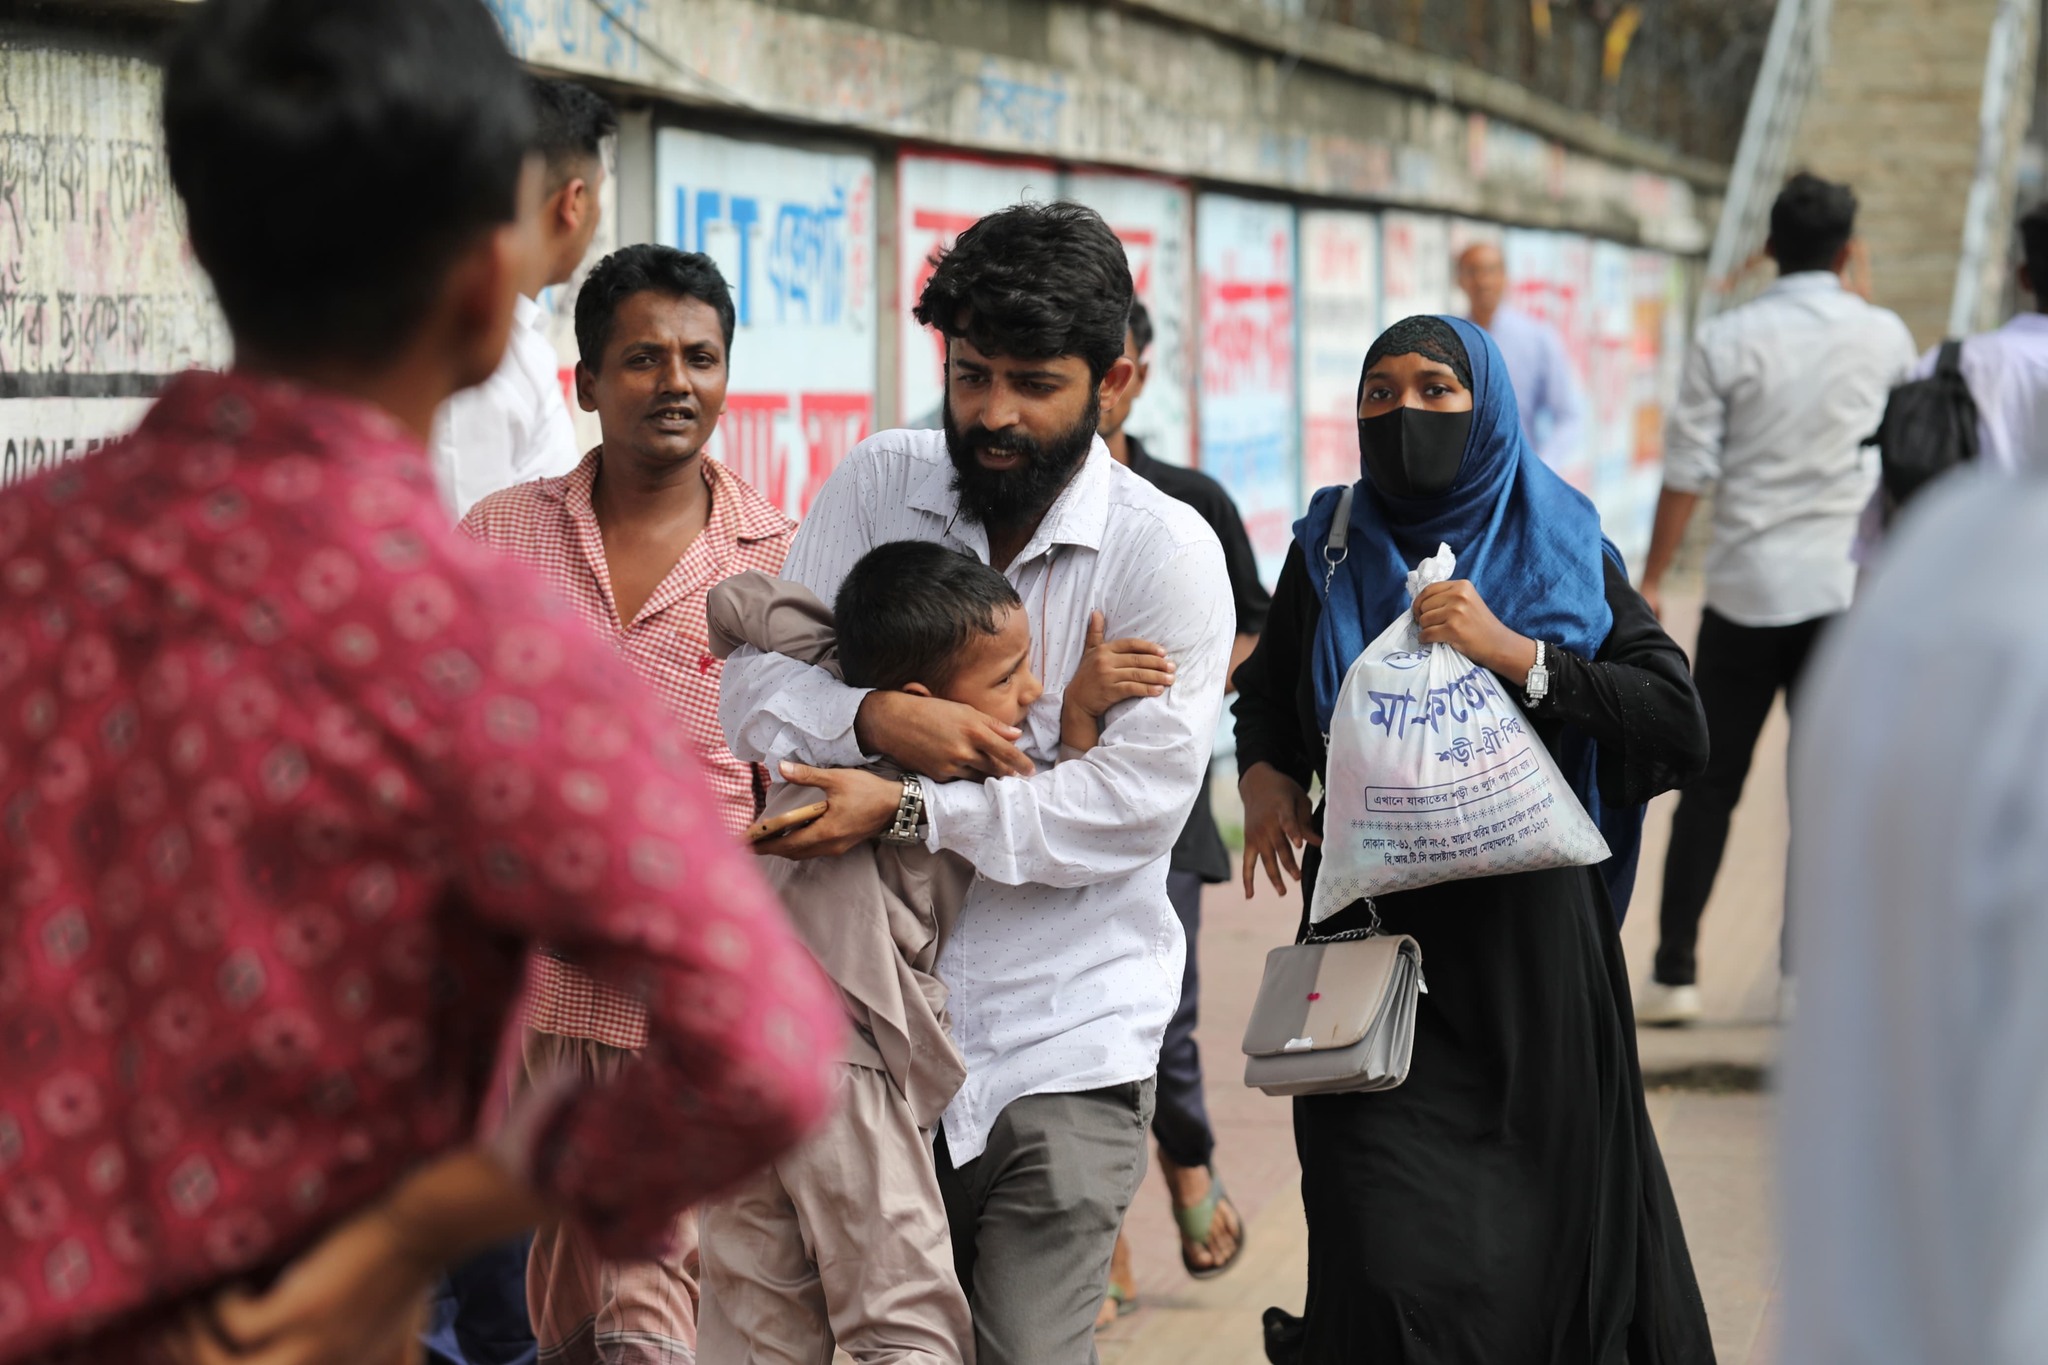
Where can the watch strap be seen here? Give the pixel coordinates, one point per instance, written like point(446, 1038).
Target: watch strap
point(903, 829)
point(1537, 687)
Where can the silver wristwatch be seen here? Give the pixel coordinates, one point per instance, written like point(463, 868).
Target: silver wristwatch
point(1538, 685)
point(904, 829)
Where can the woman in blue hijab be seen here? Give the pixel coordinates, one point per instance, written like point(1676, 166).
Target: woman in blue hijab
point(1508, 1202)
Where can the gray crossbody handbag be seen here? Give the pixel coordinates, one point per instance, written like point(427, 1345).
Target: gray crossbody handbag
point(1335, 1013)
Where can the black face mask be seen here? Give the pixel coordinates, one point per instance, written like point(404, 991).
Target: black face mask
point(1411, 452)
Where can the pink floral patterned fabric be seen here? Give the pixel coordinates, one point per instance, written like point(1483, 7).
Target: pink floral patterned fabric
point(291, 776)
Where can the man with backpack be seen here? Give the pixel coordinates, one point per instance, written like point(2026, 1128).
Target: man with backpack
point(1984, 398)
point(1776, 400)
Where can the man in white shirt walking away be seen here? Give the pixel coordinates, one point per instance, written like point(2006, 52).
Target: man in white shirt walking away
point(1547, 394)
point(1065, 967)
point(1776, 399)
point(515, 425)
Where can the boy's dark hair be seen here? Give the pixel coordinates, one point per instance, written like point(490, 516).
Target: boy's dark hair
point(646, 267)
point(908, 606)
point(292, 127)
point(1034, 281)
point(571, 122)
point(1141, 327)
point(2033, 230)
point(1811, 221)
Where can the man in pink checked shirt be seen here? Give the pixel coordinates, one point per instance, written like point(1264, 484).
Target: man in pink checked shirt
point(633, 538)
point(295, 776)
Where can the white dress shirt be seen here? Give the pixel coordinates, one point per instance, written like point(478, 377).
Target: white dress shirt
point(1065, 965)
point(511, 428)
point(1916, 1077)
point(1776, 399)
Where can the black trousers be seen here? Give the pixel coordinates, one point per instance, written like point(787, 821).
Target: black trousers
point(1181, 1122)
point(1739, 671)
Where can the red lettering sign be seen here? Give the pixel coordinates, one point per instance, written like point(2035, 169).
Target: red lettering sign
point(1247, 335)
point(748, 445)
point(833, 423)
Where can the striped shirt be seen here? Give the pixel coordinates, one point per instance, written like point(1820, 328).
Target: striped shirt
point(550, 525)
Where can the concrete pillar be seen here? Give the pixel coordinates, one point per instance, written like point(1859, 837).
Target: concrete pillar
point(1895, 114)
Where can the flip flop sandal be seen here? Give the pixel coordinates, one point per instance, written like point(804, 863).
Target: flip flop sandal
point(1198, 1220)
point(1126, 1301)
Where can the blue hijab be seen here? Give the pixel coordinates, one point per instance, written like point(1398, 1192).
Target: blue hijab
point(1530, 543)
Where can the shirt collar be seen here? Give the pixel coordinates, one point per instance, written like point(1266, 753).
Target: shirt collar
point(264, 414)
point(1078, 516)
point(1807, 282)
point(526, 312)
point(739, 514)
point(748, 514)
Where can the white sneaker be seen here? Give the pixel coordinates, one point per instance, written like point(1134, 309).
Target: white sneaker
point(1788, 998)
point(1668, 1006)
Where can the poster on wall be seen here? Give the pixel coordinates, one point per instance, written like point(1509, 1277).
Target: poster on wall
point(1549, 277)
point(1153, 219)
point(1416, 278)
point(1657, 345)
point(102, 304)
point(1249, 427)
point(938, 198)
point(794, 233)
point(1610, 370)
point(1340, 283)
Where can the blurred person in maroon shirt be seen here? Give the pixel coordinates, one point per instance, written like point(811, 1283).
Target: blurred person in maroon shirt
point(292, 776)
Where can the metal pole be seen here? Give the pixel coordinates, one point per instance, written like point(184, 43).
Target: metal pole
point(2008, 51)
point(1731, 233)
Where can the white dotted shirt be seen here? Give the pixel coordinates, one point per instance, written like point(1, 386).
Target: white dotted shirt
point(1065, 966)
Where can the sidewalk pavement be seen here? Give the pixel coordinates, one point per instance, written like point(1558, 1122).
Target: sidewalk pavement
point(1716, 1140)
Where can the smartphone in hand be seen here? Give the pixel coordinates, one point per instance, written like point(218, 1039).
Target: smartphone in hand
point(763, 830)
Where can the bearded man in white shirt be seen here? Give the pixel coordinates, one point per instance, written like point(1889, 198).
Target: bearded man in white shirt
point(1776, 398)
point(515, 426)
point(1065, 967)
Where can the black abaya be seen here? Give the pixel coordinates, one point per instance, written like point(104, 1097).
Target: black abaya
point(1508, 1202)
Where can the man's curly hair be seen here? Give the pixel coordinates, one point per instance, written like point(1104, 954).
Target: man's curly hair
point(1034, 281)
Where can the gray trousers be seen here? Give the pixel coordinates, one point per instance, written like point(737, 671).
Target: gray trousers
point(1035, 1217)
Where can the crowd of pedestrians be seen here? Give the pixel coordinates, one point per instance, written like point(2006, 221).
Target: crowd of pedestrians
point(530, 905)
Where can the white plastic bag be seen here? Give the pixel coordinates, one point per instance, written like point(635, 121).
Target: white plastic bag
point(1434, 774)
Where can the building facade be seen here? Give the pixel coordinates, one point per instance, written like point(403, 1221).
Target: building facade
point(1285, 185)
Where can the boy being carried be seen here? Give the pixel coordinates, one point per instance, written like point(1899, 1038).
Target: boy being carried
point(846, 1242)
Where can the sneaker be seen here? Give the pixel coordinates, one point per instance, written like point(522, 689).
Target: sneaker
point(1668, 1006)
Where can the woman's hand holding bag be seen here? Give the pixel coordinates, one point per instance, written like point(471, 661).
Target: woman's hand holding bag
point(1453, 613)
point(1433, 773)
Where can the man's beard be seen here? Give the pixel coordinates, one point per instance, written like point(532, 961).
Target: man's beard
point(1006, 499)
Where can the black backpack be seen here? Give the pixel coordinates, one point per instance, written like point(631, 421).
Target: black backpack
point(1929, 427)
